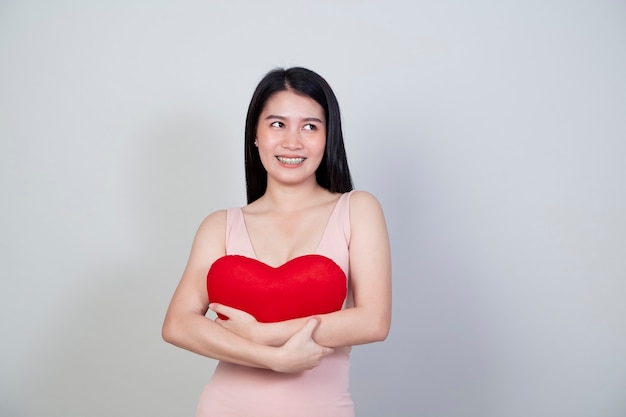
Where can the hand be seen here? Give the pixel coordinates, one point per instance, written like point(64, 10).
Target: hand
point(301, 352)
point(238, 321)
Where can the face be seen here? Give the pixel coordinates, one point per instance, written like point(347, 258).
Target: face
point(291, 138)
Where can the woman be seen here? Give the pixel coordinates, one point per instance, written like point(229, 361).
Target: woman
point(300, 202)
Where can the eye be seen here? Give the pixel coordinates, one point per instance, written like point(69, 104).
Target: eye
point(310, 126)
point(277, 124)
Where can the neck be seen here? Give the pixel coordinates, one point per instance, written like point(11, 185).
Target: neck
point(289, 198)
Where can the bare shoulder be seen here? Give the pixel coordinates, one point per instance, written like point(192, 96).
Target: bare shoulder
point(366, 215)
point(212, 230)
point(363, 203)
point(215, 219)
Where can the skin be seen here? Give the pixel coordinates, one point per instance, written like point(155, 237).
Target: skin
point(286, 222)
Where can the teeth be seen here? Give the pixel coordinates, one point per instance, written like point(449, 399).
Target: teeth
point(290, 161)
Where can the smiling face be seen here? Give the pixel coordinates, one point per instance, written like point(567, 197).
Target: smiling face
point(291, 138)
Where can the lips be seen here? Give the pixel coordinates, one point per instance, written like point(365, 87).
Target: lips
point(290, 160)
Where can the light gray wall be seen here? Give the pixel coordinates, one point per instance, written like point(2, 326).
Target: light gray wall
point(492, 132)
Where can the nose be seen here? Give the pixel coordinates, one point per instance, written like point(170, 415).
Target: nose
point(292, 139)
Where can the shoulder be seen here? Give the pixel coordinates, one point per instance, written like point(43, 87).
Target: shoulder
point(363, 200)
point(209, 241)
point(369, 239)
point(365, 210)
point(214, 219)
point(213, 224)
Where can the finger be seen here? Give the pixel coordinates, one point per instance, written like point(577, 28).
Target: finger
point(222, 309)
point(327, 350)
point(310, 327)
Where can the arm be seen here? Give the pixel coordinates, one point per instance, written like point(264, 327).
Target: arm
point(370, 274)
point(186, 325)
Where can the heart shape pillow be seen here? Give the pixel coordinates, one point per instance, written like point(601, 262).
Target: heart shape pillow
point(304, 286)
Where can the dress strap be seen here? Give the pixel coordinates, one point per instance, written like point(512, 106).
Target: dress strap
point(237, 238)
point(335, 242)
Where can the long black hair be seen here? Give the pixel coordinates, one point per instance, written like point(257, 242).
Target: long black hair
point(333, 173)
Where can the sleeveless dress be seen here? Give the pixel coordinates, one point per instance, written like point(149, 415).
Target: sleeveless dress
point(241, 391)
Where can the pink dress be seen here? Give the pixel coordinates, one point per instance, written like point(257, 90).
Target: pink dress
point(241, 391)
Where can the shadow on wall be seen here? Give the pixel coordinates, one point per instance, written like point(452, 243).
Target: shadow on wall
point(103, 354)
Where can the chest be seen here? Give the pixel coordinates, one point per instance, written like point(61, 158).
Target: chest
point(278, 238)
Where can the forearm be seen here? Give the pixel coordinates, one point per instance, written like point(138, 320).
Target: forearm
point(203, 336)
point(348, 327)
point(352, 326)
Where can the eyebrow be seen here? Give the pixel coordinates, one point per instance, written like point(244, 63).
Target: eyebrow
point(306, 119)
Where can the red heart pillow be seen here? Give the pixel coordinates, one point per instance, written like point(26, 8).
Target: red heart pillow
point(304, 286)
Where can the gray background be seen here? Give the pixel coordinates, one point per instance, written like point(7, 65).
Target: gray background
point(492, 132)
